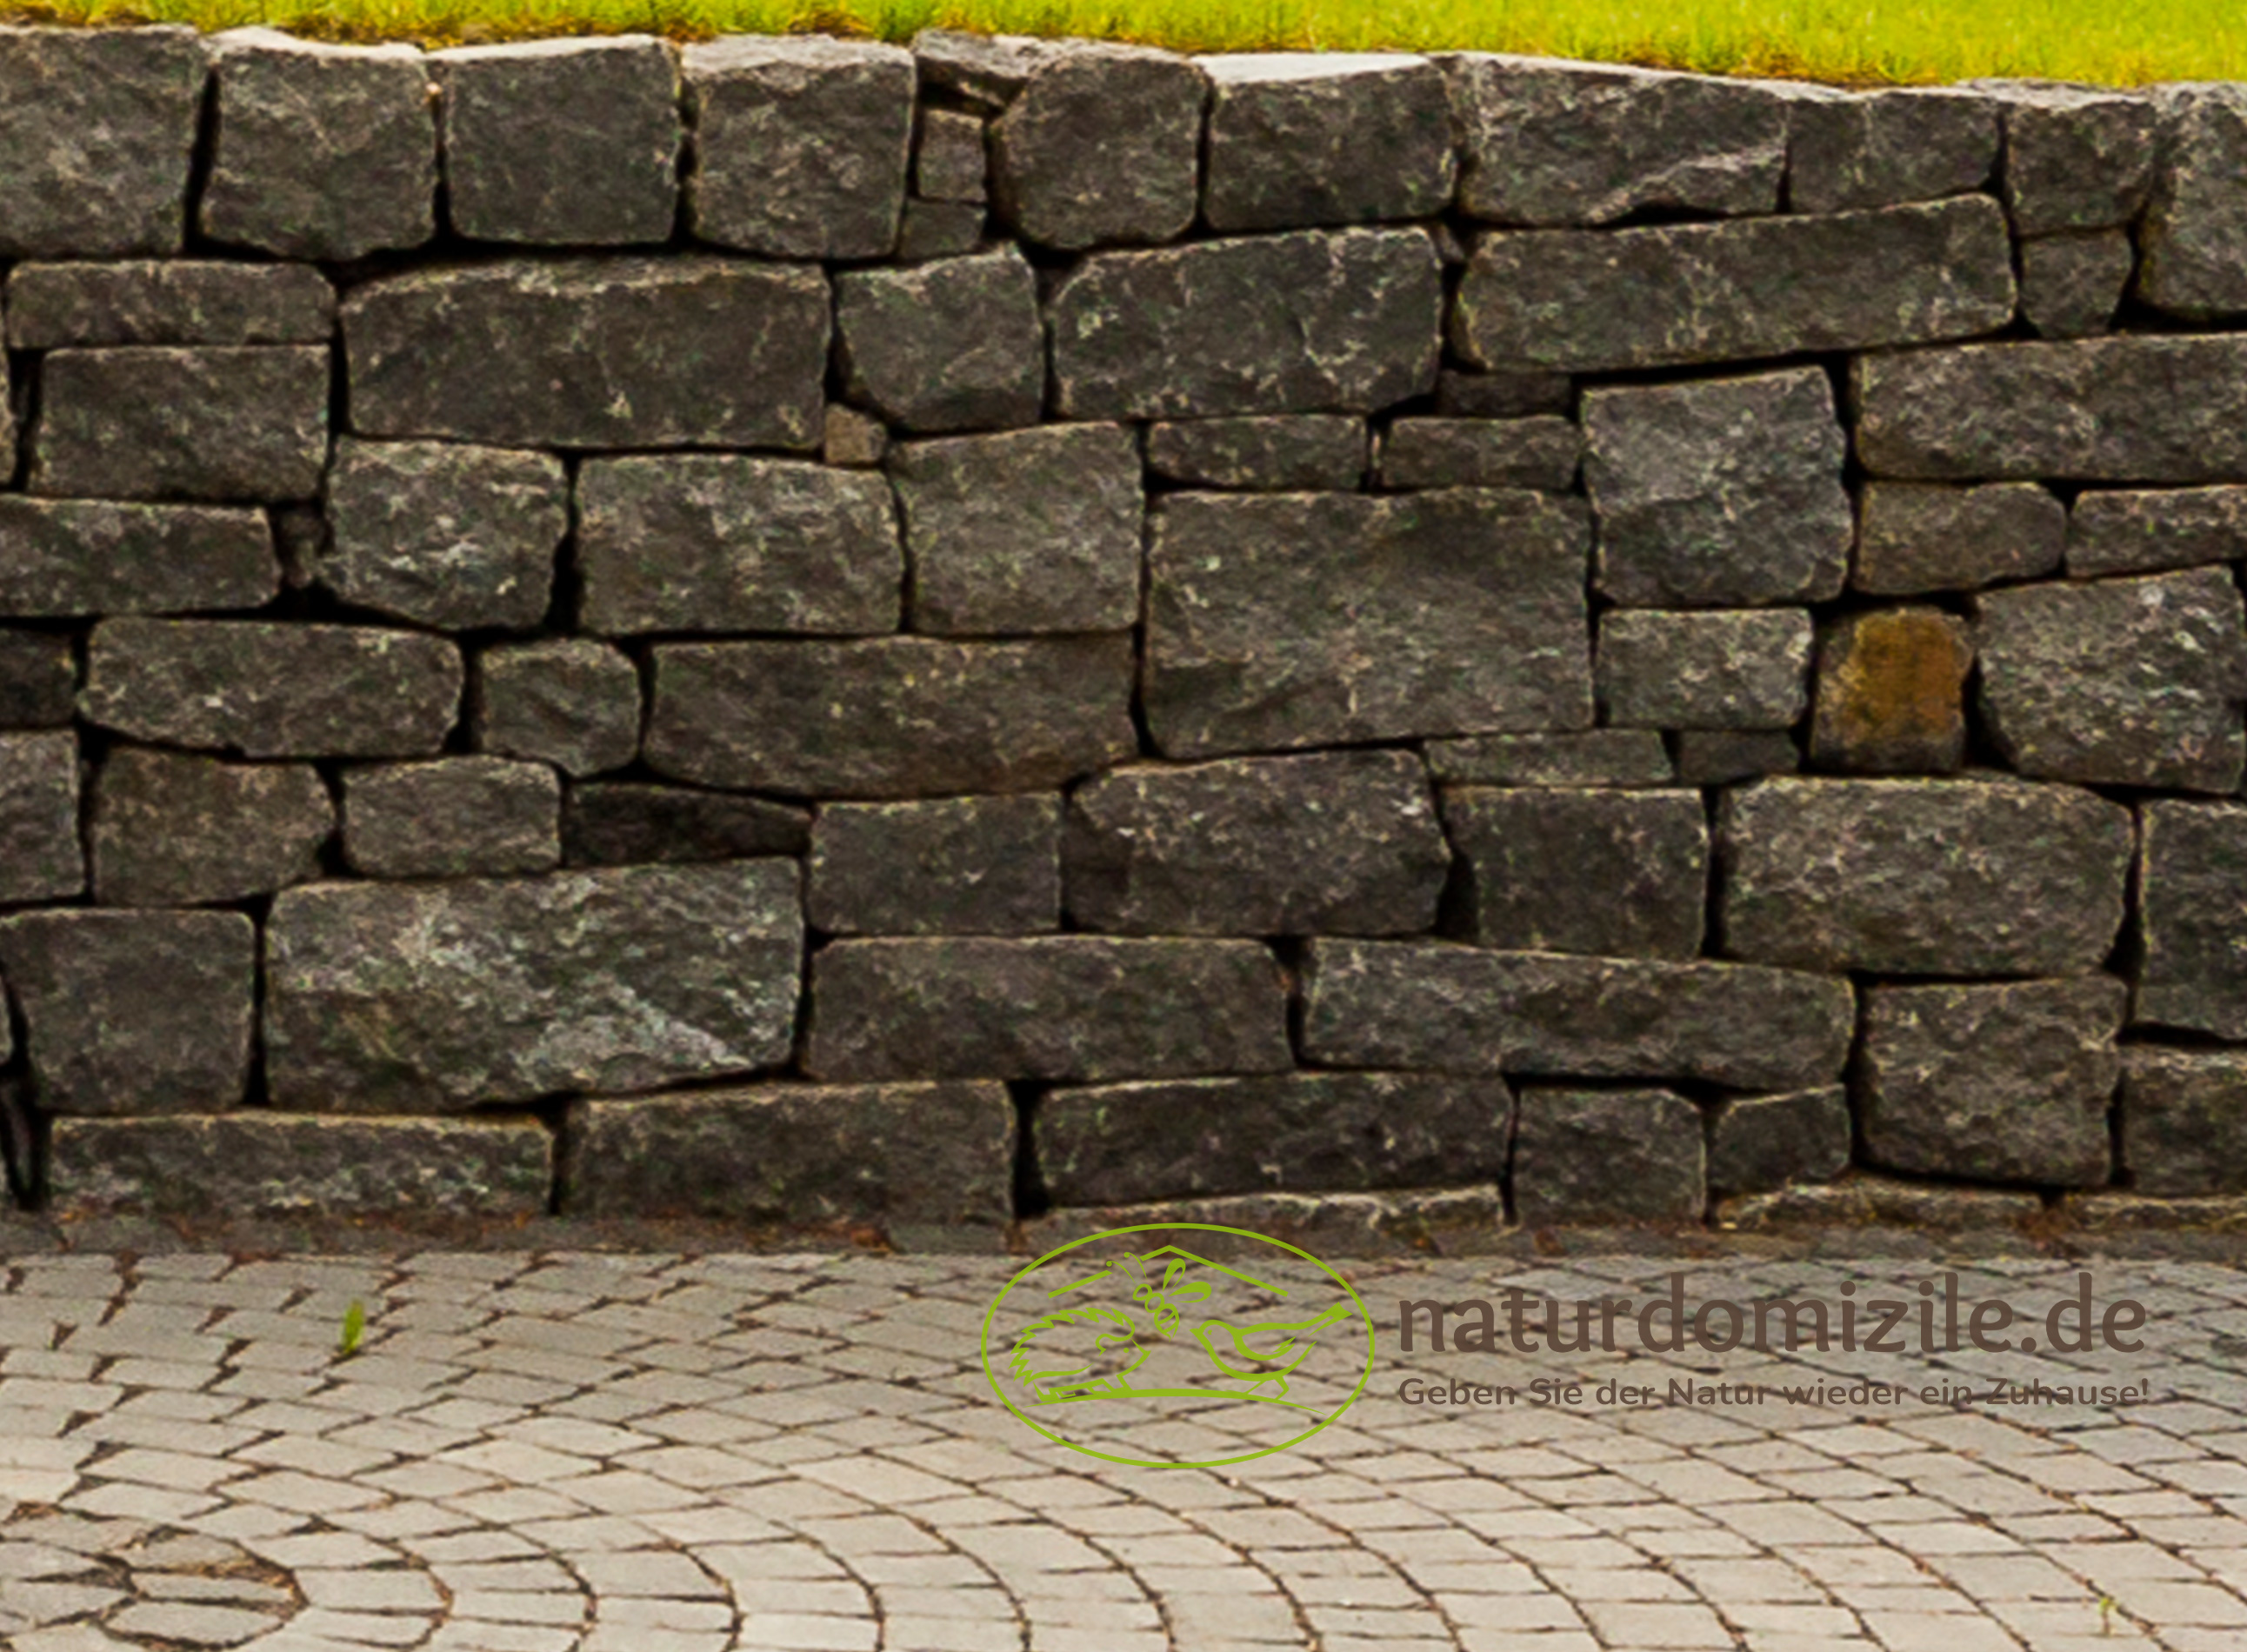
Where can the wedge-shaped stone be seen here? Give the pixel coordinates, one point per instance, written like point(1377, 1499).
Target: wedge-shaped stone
point(629, 823)
point(1759, 1144)
point(949, 866)
point(154, 423)
point(2192, 896)
point(1102, 146)
point(2124, 531)
point(40, 856)
point(1308, 619)
point(1433, 1008)
point(1979, 876)
point(2072, 284)
point(1608, 1155)
point(1053, 1007)
point(171, 830)
point(1883, 148)
point(93, 556)
point(1924, 536)
point(1304, 138)
point(1617, 874)
point(2184, 1121)
point(173, 301)
point(438, 997)
point(952, 345)
point(2195, 229)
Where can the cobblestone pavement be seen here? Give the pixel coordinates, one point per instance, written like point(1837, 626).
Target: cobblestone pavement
point(635, 1453)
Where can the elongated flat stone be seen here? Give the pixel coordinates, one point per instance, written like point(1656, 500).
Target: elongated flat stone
point(174, 829)
point(1926, 536)
point(199, 423)
point(1591, 757)
point(1481, 452)
point(93, 556)
point(948, 866)
point(173, 301)
point(1618, 874)
point(2133, 531)
point(1276, 454)
point(1882, 148)
point(630, 822)
point(2192, 896)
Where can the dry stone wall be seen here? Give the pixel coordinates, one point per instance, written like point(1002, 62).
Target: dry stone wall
point(810, 632)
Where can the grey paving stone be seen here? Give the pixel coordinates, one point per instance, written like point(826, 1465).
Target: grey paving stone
point(1885, 148)
point(2076, 157)
point(955, 344)
point(955, 866)
point(625, 823)
point(2150, 530)
point(1479, 452)
point(2192, 875)
point(171, 830)
point(1745, 668)
point(1628, 1155)
point(60, 557)
point(950, 158)
point(1593, 757)
point(1757, 1144)
point(1914, 537)
point(1277, 453)
point(1617, 874)
point(166, 302)
point(2073, 284)
point(1891, 693)
point(2181, 1121)
point(570, 701)
point(204, 423)
point(1100, 146)
point(452, 817)
point(1302, 138)
point(38, 817)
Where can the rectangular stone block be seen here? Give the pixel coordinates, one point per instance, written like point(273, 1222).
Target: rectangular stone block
point(1719, 756)
point(570, 701)
point(2143, 531)
point(1101, 145)
point(39, 679)
point(626, 823)
point(40, 857)
point(1504, 395)
point(1616, 874)
point(953, 343)
point(1277, 454)
point(1760, 1143)
point(171, 830)
point(1892, 692)
point(1914, 537)
point(452, 817)
point(954, 866)
point(1711, 668)
point(2192, 915)
point(2072, 284)
point(950, 162)
point(442, 996)
point(1593, 757)
point(204, 423)
point(1307, 138)
point(1608, 1155)
point(92, 557)
point(1847, 151)
point(1481, 452)
point(2183, 1115)
point(52, 306)
point(2076, 157)
point(2194, 231)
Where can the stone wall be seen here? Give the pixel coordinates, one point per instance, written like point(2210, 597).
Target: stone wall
point(808, 632)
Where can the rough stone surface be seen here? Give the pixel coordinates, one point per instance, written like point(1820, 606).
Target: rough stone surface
point(849, 437)
point(1452, 1221)
point(1435, 1008)
point(1743, 668)
point(987, 71)
point(1312, 321)
point(1975, 876)
point(166, 302)
point(951, 161)
point(1341, 843)
point(1719, 756)
point(2005, 1083)
point(1583, 300)
point(213, 423)
point(1884, 148)
point(722, 541)
point(421, 997)
point(1031, 530)
point(1860, 1202)
point(1719, 493)
point(2184, 1121)
point(1757, 1144)
point(1481, 452)
point(896, 1155)
point(133, 1013)
point(2072, 284)
point(626, 823)
point(452, 535)
point(800, 145)
point(2194, 233)
point(954, 344)
point(2131, 532)
point(40, 858)
point(2126, 682)
point(1464, 614)
point(1630, 1155)
point(1921, 537)
point(171, 830)
point(1101, 146)
point(597, 353)
point(568, 143)
point(39, 679)
point(92, 556)
point(570, 701)
point(1050, 1006)
point(1504, 395)
point(271, 689)
point(940, 229)
point(323, 151)
point(1619, 874)
point(452, 817)
point(1302, 138)
point(1593, 757)
point(2192, 884)
point(1279, 453)
point(891, 717)
point(1891, 693)
point(952, 866)
point(2076, 157)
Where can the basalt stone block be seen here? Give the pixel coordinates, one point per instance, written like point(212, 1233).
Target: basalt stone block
point(1292, 1132)
point(1990, 876)
point(97, 129)
point(1891, 693)
point(1280, 453)
point(950, 160)
point(452, 817)
point(1312, 321)
point(2152, 530)
point(951, 866)
point(2192, 882)
point(891, 717)
point(323, 151)
point(1884, 148)
point(1435, 1008)
point(2126, 682)
point(1031, 530)
point(1346, 843)
point(2184, 1121)
point(1719, 756)
point(720, 542)
point(2196, 232)
point(1504, 395)
point(931, 229)
point(171, 829)
point(561, 143)
point(168, 302)
point(435, 997)
point(133, 1013)
point(1718, 493)
point(1481, 452)
point(1585, 1155)
point(39, 679)
point(1102, 146)
point(40, 858)
point(1619, 874)
point(217, 423)
point(1547, 141)
point(1304, 138)
point(2072, 284)
point(1757, 1144)
point(570, 701)
point(454, 536)
point(267, 689)
point(2090, 409)
point(625, 823)
point(987, 71)
point(596, 353)
point(1465, 614)
point(1580, 300)
point(2005, 1083)
point(1593, 757)
point(1922, 536)
point(954, 344)
point(1745, 668)
point(800, 143)
point(2076, 157)
point(87, 557)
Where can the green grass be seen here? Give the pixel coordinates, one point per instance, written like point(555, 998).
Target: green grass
point(1850, 42)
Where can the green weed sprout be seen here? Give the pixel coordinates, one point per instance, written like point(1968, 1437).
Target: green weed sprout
point(354, 1329)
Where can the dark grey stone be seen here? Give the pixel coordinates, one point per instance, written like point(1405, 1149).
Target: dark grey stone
point(950, 158)
point(1921, 536)
point(1759, 1144)
point(1304, 138)
point(721, 542)
point(1891, 693)
point(1312, 321)
point(452, 817)
point(1504, 395)
point(1974, 877)
point(2192, 894)
point(1721, 494)
point(435, 997)
point(2076, 157)
point(1279, 453)
point(2184, 1121)
point(891, 717)
point(2125, 682)
point(455, 536)
point(625, 822)
point(1342, 842)
point(988, 70)
point(1589, 1156)
point(1102, 146)
point(271, 689)
point(2150, 531)
point(1052, 1006)
point(1884, 148)
point(210, 423)
point(931, 229)
point(1030, 531)
point(1593, 757)
point(561, 143)
point(1993, 1218)
point(1452, 1221)
point(2005, 1082)
point(2073, 284)
point(570, 701)
point(954, 344)
point(1583, 300)
point(800, 143)
point(1741, 668)
point(952, 866)
point(596, 352)
point(323, 151)
point(39, 679)
point(2196, 233)
point(40, 857)
point(850, 438)
point(300, 538)
point(171, 829)
point(1466, 616)
point(1481, 452)
point(1719, 756)
point(1618, 874)
point(89, 556)
point(168, 302)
